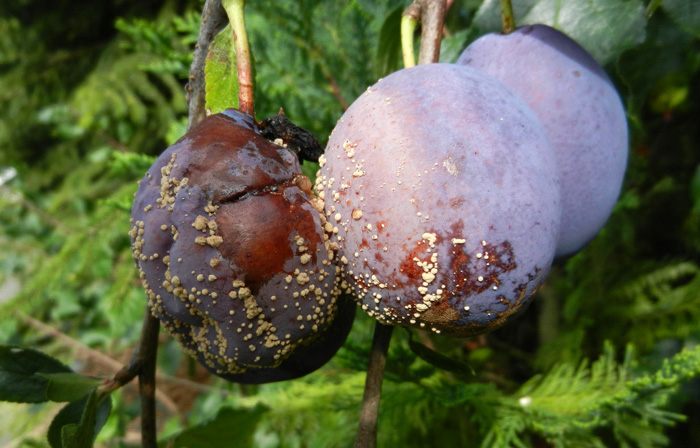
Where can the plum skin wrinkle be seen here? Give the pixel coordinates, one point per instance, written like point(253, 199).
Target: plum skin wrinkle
point(441, 189)
point(581, 112)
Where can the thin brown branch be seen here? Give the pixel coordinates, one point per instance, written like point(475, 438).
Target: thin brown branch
point(146, 352)
point(96, 357)
point(213, 20)
point(336, 92)
point(367, 429)
point(413, 10)
point(14, 195)
point(432, 19)
point(113, 142)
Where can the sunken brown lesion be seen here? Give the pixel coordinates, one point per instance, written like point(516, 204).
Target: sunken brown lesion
point(441, 313)
point(494, 260)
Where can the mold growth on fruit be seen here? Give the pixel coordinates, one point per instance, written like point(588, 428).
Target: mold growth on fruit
point(441, 231)
point(232, 253)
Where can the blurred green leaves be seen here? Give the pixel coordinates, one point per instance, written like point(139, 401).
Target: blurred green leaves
point(23, 375)
point(87, 107)
point(78, 423)
point(220, 430)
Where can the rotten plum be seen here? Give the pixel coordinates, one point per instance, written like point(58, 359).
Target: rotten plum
point(230, 245)
point(581, 112)
point(441, 191)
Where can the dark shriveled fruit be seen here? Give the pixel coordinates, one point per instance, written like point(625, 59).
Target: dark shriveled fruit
point(230, 244)
point(441, 191)
point(580, 111)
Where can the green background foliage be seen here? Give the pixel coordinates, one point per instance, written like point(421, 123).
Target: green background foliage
point(92, 92)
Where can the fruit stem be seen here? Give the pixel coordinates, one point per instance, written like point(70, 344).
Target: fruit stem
point(367, 429)
point(507, 16)
point(432, 19)
point(234, 10)
point(409, 22)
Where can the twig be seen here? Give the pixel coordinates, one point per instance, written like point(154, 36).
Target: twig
point(14, 195)
point(213, 21)
point(100, 358)
point(143, 365)
point(432, 19)
point(367, 429)
point(336, 92)
point(147, 351)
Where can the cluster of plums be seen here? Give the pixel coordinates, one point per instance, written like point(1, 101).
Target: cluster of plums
point(445, 192)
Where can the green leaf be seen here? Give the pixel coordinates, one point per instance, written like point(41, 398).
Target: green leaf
point(605, 28)
point(453, 45)
point(685, 13)
point(229, 427)
point(437, 359)
point(389, 46)
point(19, 369)
point(220, 73)
point(69, 386)
point(79, 422)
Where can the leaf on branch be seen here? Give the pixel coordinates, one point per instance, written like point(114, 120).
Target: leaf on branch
point(229, 427)
point(439, 360)
point(68, 386)
point(79, 422)
point(220, 73)
point(389, 46)
point(21, 379)
point(685, 13)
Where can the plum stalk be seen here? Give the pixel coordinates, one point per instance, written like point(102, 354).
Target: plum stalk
point(409, 23)
point(367, 429)
point(507, 17)
point(234, 10)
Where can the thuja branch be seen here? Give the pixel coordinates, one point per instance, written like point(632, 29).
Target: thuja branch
point(234, 10)
point(432, 19)
point(367, 429)
point(213, 21)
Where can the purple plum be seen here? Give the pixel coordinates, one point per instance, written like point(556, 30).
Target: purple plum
point(230, 244)
point(441, 191)
point(581, 113)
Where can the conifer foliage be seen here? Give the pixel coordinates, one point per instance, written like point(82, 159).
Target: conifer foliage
point(607, 355)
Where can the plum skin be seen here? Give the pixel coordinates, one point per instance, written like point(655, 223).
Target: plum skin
point(581, 112)
point(441, 192)
point(230, 245)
